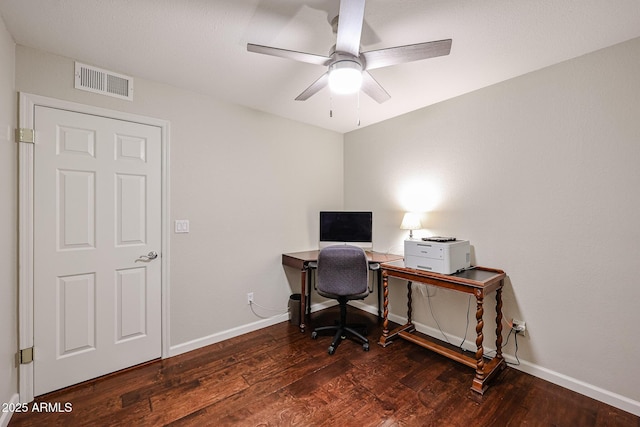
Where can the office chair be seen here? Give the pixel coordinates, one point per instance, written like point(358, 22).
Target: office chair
point(343, 274)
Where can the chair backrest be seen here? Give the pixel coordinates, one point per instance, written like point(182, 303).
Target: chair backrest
point(343, 270)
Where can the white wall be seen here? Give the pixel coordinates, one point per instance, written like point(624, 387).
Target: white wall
point(250, 184)
point(8, 222)
point(540, 173)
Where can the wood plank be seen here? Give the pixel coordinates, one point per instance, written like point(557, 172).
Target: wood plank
point(278, 376)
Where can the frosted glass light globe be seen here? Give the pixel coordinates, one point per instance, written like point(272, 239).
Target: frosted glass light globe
point(345, 77)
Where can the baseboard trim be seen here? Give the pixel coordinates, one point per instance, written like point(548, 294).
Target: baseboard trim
point(573, 384)
point(240, 330)
point(5, 417)
point(586, 389)
point(175, 350)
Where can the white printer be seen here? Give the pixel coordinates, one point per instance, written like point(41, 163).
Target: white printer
point(439, 255)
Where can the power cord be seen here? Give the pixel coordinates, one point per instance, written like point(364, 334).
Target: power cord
point(466, 328)
point(434, 318)
point(464, 339)
point(515, 340)
point(511, 331)
point(424, 288)
point(515, 354)
point(277, 310)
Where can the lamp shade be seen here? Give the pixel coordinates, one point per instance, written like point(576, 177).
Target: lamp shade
point(411, 221)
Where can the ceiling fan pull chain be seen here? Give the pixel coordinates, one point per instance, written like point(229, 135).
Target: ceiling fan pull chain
point(358, 109)
point(330, 106)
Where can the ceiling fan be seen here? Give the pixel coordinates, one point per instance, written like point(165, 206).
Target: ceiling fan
point(345, 61)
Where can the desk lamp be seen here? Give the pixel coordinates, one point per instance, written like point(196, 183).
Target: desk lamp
point(411, 221)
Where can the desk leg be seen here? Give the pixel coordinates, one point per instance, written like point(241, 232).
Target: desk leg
point(303, 298)
point(478, 381)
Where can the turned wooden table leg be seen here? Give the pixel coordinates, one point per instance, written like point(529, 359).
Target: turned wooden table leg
point(478, 381)
point(409, 302)
point(499, 323)
point(385, 305)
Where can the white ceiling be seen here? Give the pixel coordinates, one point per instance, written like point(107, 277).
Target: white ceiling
point(200, 45)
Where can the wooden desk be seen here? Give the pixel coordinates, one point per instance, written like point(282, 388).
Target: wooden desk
point(479, 281)
point(301, 260)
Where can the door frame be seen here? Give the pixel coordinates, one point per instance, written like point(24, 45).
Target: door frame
point(27, 104)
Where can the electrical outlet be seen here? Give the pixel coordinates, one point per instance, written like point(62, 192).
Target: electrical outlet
point(249, 298)
point(519, 326)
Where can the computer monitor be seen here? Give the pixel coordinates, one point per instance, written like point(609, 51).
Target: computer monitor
point(346, 227)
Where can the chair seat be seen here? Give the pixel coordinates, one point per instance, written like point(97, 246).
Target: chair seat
point(362, 295)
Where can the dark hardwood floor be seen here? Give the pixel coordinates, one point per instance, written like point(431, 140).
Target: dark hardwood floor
point(278, 376)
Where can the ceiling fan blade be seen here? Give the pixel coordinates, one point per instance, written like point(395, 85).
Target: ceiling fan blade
point(350, 26)
point(289, 54)
point(372, 88)
point(314, 88)
point(401, 54)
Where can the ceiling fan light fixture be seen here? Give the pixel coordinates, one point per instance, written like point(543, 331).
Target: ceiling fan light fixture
point(345, 77)
point(348, 67)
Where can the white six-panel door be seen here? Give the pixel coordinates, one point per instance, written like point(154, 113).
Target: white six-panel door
point(97, 217)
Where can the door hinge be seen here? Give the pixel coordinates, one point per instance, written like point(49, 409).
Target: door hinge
point(25, 135)
point(25, 356)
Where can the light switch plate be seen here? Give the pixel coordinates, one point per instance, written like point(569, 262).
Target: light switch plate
point(182, 226)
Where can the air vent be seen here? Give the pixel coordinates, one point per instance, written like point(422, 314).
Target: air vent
point(97, 80)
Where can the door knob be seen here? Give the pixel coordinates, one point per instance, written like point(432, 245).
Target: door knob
point(148, 257)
